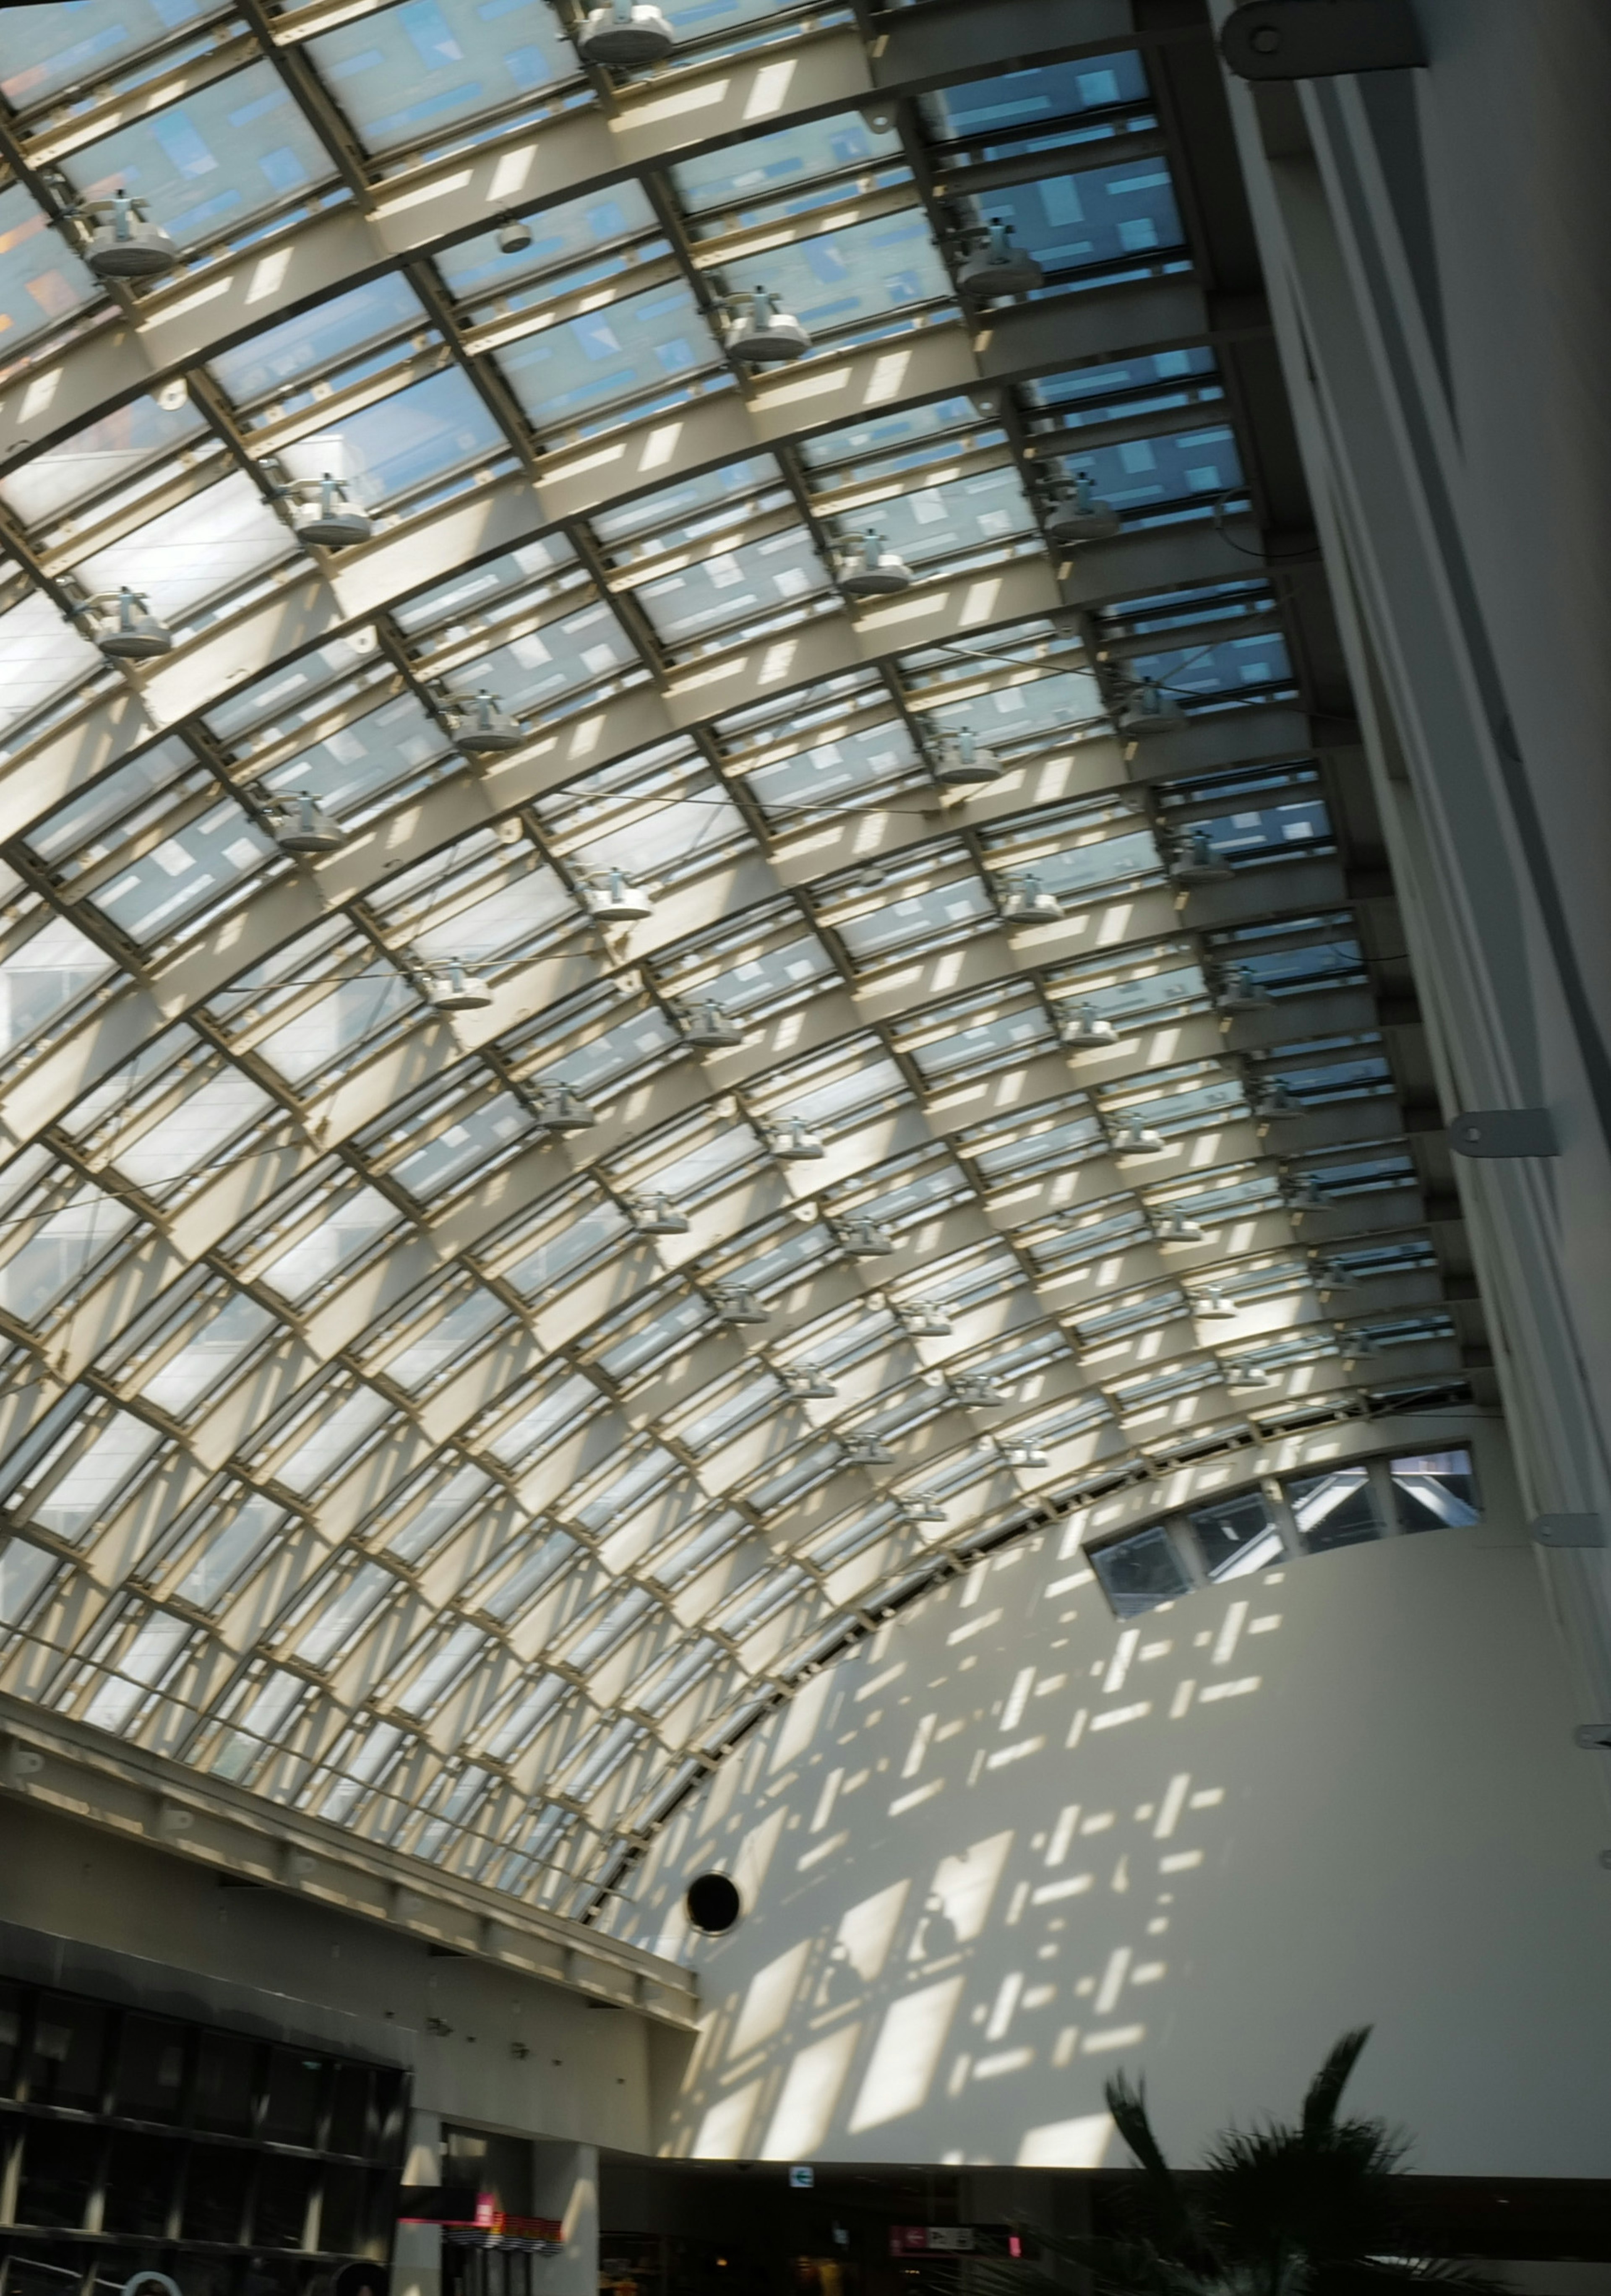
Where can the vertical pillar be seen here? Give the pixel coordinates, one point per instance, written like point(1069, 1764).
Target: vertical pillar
point(416, 2256)
point(564, 2184)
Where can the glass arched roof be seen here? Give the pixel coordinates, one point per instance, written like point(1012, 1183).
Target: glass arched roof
point(459, 1424)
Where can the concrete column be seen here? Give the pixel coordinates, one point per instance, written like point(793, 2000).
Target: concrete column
point(416, 2257)
point(564, 2184)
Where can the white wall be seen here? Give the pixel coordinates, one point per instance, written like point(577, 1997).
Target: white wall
point(1200, 1847)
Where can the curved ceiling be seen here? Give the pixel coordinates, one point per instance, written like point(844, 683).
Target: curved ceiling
point(365, 1443)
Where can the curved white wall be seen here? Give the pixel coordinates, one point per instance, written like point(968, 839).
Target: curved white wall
point(1198, 1847)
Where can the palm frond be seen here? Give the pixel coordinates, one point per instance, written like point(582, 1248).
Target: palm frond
point(1326, 2089)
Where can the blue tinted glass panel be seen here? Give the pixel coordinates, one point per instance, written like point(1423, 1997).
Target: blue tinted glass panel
point(1068, 222)
point(412, 71)
point(478, 267)
point(771, 168)
point(405, 442)
point(1138, 473)
point(641, 351)
point(317, 338)
point(1020, 101)
point(865, 271)
point(40, 281)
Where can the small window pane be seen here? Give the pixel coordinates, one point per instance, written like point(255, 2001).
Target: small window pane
point(349, 2112)
point(58, 2173)
point(150, 2076)
point(1334, 1510)
point(11, 2029)
point(69, 2043)
point(225, 2073)
point(1138, 1573)
point(1435, 1489)
point(1235, 1535)
point(280, 2213)
point(139, 2181)
point(293, 2097)
point(214, 2192)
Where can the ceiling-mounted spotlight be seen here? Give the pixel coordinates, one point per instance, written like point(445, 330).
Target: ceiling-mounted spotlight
point(1017, 1453)
point(124, 243)
point(658, 1216)
point(1331, 1276)
point(707, 1024)
point(996, 267)
point(624, 34)
point(1074, 513)
point(1213, 1307)
point(868, 568)
point(959, 759)
point(299, 824)
point(323, 512)
point(862, 1238)
point(1130, 1137)
point(1149, 712)
point(1023, 898)
point(1250, 1375)
point(736, 1304)
point(513, 238)
point(880, 118)
point(806, 1383)
point(1088, 1028)
point(1197, 859)
point(481, 729)
point(762, 335)
point(452, 988)
point(559, 1110)
point(1240, 991)
point(612, 899)
point(1302, 1193)
point(925, 1319)
point(792, 1144)
point(1274, 1100)
point(977, 1390)
point(1179, 1227)
point(865, 1451)
point(123, 626)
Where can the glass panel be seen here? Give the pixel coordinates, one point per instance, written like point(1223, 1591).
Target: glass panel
point(48, 48)
point(1434, 1489)
point(41, 656)
point(294, 2081)
point(59, 2164)
point(139, 2184)
point(93, 459)
point(214, 2192)
point(865, 272)
point(1235, 1535)
point(1139, 1573)
point(478, 270)
point(40, 281)
point(400, 445)
point(1020, 102)
point(212, 543)
point(407, 75)
point(226, 2068)
point(1070, 223)
point(150, 2076)
point(638, 350)
point(735, 585)
point(765, 171)
point(316, 339)
point(1338, 1509)
point(209, 164)
point(70, 2048)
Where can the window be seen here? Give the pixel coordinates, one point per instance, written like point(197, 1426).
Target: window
point(1435, 1490)
point(1139, 1573)
point(1338, 1509)
point(1235, 1535)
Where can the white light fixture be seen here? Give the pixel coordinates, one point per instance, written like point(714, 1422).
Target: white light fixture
point(614, 901)
point(561, 1110)
point(299, 824)
point(1275, 1101)
point(124, 242)
point(865, 1451)
point(1179, 1227)
point(454, 989)
point(1240, 992)
point(1197, 859)
point(959, 759)
point(481, 729)
point(977, 1390)
point(1331, 1276)
point(1303, 1192)
point(1023, 898)
point(806, 1383)
point(658, 1216)
point(762, 335)
point(513, 238)
point(323, 512)
point(1130, 1137)
point(1017, 1453)
point(1213, 1307)
point(868, 568)
point(925, 1319)
point(706, 1024)
point(625, 34)
point(1149, 712)
point(996, 267)
point(734, 1304)
point(1250, 1375)
point(131, 631)
point(863, 1239)
point(1088, 1027)
point(1076, 514)
point(792, 1144)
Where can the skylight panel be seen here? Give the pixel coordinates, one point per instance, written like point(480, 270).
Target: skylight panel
point(1093, 220)
point(478, 271)
point(310, 1245)
point(232, 1328)
point(48, 969)
point(46, 1257)
point(212, 163)
point(194, 553)
point(778, 171)
point(547, 663)
point(223, 1544)
point(272, 365)
point(42, 657)
point(630, 357)
point(39, 60)
point(1024, 103)
point(736, 587)
point(418, 446)
point(854, 767)
point(677, 517)
point(403, 75)
point(138, 437)
point(196, 1133)
point(859, 281)
point(73, 1489)
point(41, 280)
point(1139, 475)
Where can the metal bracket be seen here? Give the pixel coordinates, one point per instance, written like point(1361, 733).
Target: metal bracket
point(1318, 39)
point(1503, 1131)
point(1592, 1736)
point(1568, 1530)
